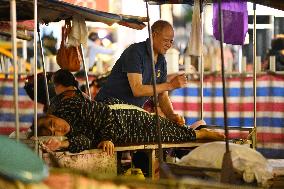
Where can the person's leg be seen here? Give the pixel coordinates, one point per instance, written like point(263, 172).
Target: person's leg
point(136, 127)
point(209, 134)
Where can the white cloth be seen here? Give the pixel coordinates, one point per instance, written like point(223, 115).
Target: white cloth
point(195, 41)
point(248, 162)
point(79, 32)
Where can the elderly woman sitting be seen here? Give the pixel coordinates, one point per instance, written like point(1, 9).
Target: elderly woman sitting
point(89, 124)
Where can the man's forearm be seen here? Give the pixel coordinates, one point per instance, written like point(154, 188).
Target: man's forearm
point(147, 90)
point(138, 89)
point(165, 104)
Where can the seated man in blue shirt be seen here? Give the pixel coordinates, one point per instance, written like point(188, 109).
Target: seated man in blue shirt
point(130, 80)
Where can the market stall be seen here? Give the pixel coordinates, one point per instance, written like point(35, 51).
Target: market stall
point(160, 145)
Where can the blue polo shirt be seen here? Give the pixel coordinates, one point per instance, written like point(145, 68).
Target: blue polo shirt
point(135, 59)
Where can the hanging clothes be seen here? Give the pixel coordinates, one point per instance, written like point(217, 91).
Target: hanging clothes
point(79, 32)
point(195, 42)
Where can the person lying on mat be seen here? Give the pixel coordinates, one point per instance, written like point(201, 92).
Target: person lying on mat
point(95, 124)
point(105, 137)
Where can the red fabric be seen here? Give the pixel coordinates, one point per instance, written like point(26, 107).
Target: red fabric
point(100, 5)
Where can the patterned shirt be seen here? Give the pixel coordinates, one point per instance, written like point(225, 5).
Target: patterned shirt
point(92, 122)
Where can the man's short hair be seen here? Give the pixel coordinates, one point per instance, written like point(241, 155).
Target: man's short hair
point(159, 25)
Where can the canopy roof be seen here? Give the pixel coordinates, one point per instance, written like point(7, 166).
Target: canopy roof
point(54, 11)
point(277, 4)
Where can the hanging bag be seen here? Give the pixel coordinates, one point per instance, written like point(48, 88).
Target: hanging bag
point(68, 57)
point(235, 21)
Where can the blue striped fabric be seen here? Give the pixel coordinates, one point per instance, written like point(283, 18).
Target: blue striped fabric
point(270, 107)
point(232, 92)
point(26, 107)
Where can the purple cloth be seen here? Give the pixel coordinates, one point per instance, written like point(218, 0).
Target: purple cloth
point(235, 21)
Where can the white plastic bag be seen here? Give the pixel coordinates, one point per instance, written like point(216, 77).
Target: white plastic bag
point(248, 162)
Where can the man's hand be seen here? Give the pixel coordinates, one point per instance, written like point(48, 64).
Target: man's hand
point(107, 146)
point(177, 118)
point(178, 81)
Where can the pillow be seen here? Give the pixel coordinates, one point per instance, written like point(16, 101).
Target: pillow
point(246, 161)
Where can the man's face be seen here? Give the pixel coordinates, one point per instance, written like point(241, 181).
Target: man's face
point(163, 40)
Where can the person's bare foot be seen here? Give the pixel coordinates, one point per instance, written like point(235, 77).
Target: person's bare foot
point(209, 134)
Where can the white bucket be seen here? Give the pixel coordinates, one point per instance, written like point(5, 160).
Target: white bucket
point(172, 58)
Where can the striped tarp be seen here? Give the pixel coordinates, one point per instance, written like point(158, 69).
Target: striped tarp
point(270, 107)
point(7, 114)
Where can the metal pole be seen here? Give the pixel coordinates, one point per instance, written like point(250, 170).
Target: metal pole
point(155, 91)
point(223, 73)
point(44, 70)
point(227, 173)
point(85, 70)
point(35, 75)
point(254, 77)
point(201, 68)
point(13, 18)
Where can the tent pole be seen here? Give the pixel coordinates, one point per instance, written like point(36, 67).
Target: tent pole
point(13, 18)
point(44, 67)
point(254, 77)
point(201, 66)
point(35, 75)
point(85, 70)
point(227, 172)
point(160, 151)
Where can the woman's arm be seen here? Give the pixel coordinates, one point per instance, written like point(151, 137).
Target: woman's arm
point(74, 144)
point(101, 122)
point(79, 143)
point(54, 144)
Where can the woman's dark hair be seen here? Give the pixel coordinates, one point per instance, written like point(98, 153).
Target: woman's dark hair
point(41, 92)
point(41, 130)
point(65, 78)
